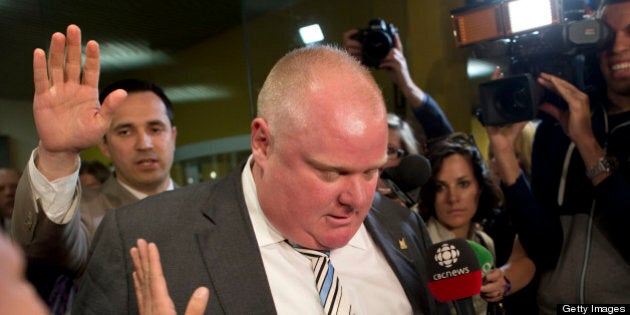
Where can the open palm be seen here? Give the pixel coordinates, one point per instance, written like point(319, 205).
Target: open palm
point(68, 115)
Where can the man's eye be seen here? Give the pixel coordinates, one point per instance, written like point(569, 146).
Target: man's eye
point(157, 129)
point(330, 176)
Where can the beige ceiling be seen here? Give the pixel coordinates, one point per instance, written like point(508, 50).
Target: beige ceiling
point(165, 26)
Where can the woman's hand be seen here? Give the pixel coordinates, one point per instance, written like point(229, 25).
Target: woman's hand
point(493, 290)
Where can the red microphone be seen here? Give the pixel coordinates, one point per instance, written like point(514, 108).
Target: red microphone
point(454, 274)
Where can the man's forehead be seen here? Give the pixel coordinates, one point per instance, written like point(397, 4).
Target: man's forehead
point(617, 15)
point(143, 108)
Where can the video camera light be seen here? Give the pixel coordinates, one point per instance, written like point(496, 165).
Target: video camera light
point(500, 20)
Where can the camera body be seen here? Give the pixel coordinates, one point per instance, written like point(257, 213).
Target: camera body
point(525, 37)
point(567, 50)
point(377, 40)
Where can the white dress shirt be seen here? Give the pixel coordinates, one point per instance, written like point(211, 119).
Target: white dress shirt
point(361, 267)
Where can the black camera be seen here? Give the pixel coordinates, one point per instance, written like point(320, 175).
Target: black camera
point(566, 48)
point(377, 40)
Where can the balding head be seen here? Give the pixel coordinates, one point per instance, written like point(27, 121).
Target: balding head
point(303, 75)
point(318, 143)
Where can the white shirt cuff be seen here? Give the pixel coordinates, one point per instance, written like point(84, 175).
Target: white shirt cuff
point(59, 199)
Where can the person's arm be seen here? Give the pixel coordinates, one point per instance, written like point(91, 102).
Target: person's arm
point(576, 121)
point(426, 110)
point(69, 119)
point(66, 110)
point(611, 188)
point(519, 269)
point(511, 277)
point(534, 225)
point(150, 284)
point(45, 241)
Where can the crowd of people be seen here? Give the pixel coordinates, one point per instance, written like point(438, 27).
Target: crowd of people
point(309, 203)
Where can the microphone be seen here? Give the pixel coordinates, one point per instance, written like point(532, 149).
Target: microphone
point(484, 257)
point(455, 274)
point(410, 174)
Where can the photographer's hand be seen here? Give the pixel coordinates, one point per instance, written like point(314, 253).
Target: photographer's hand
point(576, 121)
point(395, 64)
point(351, 45)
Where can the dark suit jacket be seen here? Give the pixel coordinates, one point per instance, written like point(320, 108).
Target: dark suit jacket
point(206, 238)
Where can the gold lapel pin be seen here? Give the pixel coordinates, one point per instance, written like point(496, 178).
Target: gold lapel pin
point(402, 243)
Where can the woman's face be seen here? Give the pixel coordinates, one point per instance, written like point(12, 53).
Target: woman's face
point(457, 194)
point(394, 145)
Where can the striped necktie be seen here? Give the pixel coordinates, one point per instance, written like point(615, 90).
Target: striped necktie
point(328, 285)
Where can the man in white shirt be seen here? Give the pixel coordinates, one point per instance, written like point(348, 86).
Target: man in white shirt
point(54, 218)
point(318, 144)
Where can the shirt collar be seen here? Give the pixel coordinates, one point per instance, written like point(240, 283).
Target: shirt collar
point(140, 195)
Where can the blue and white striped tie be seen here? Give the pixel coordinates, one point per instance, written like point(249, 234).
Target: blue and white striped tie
point(327, 282)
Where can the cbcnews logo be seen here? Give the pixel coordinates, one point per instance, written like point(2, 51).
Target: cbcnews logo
point(446, 255)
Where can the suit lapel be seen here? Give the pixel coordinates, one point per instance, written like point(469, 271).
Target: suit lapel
point(230, 251)
point(116, 193)
point(400, 248)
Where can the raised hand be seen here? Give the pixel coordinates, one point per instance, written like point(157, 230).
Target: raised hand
point(68, 115)
point(150, 284)
point(576, 121)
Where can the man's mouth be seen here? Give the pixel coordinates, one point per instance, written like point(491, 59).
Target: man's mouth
point(620, 66)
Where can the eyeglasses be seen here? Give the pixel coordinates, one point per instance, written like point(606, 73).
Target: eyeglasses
point(397, 152)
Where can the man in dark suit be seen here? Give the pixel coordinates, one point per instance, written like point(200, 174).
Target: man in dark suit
point(55, 217)
point(318, 144)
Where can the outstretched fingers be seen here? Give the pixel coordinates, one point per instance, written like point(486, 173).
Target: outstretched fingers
point(92, 67)
point(40, 72)
point(198, 302)
point(73, 54)
point(56, 56)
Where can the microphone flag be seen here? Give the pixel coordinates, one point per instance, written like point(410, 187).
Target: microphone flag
point(454, 271)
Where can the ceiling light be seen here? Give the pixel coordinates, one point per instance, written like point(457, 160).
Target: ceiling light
point(193, 93)
point(311, 34)
point(130, 55)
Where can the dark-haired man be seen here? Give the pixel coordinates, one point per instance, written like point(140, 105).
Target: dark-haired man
point(132, 124)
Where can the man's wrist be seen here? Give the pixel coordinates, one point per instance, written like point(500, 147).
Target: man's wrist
point(605, 165)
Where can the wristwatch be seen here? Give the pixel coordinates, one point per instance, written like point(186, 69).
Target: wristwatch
point(606, 164)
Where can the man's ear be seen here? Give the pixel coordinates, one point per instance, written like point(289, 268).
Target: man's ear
point(261, 140)
point(104, 148)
